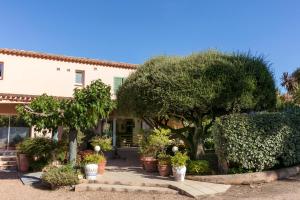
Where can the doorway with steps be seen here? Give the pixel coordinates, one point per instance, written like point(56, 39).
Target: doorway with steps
point(12, 131)
point(8, 160)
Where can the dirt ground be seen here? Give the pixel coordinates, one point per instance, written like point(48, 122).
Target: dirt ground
point(11, 188)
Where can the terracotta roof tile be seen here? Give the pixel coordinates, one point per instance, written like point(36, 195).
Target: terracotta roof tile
point(66, 58)
point(21, 98)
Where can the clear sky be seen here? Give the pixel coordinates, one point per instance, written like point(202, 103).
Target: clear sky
point(135, 30)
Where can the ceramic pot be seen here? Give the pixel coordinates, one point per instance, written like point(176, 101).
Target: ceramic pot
point(142, 162)
point(150, 164)
point(179, 173)
point(91, 171)
point(23, 163)
point(164, 170)
point(101, 167)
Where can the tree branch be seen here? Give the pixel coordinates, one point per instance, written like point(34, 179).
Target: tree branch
point(41, 114)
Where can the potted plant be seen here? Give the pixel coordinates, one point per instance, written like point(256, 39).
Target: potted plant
point(150, 163)
point(105, 144)
point(91, 162)
point(164, 162)
point(141, 149)
point(101, 164)
point(154, 143)
point(178, 162)
point(22, 156)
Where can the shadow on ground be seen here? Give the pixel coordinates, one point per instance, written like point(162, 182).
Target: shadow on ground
point(8, 175)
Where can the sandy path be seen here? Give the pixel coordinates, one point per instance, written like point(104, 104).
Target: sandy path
point(12, 189)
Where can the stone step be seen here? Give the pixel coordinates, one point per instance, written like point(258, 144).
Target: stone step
point(123, 188)
point(8, 153)
point(8, 158)
point(8, 167)
point(8, 162)
point(129, 183)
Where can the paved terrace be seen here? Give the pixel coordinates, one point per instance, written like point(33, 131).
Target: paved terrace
point(126, 175)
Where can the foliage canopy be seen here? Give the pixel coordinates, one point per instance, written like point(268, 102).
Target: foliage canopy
point(195, 89)
point(83, 111)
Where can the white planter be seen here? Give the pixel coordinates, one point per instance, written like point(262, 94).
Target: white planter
point(91, 171)
point(179, 173)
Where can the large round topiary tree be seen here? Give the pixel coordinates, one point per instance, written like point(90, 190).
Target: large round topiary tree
point(194, 90)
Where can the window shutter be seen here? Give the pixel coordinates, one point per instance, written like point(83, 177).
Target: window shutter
point(1, 70)
point(117, 83)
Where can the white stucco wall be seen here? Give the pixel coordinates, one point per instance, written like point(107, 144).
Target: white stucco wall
point(34, 76)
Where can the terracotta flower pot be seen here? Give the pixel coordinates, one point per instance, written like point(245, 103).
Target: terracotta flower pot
point(142, 162)
point(101, 167)
point(23, 162)
point(164, 170)
point(150, 164)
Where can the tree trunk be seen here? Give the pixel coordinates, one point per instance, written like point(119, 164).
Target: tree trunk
point(223, 166)
point(198, 146)
point(72, 146)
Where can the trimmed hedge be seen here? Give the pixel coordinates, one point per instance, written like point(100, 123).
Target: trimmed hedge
point(258, 141)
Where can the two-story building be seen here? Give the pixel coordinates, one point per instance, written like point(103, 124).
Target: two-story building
point(25, 75)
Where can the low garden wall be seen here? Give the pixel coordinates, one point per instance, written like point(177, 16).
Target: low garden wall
point(249, 178)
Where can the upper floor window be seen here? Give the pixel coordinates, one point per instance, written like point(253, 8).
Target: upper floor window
point(118, 81)
point(1, 70)
point(79, 77)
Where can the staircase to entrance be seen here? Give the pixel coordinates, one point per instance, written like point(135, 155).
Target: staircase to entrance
point(8, 160)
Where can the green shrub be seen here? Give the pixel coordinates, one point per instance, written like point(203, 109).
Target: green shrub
point(42, 151)
point(93, 159)
point(179, 159)
point(40, 147)
point(239, 170)
point(258, 141)
point(104, 142)
point(209, 143)
point(38, 165)
point(164, 159)
point(198, 167)
point(60, 176)
point(155, 142)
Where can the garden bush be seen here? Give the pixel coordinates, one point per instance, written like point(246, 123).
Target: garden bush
point(42, 151)
point(60, 176)
point(198, 167)
point(155, 142)
point(94, 159)
point(104, 142)
point(258, 141)
point(179, 159)
point(164, 159)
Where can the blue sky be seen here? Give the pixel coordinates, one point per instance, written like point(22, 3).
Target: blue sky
point(135, 30)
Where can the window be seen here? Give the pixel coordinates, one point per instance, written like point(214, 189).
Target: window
point(1, 70)
point(79, 77)
point(118, 81)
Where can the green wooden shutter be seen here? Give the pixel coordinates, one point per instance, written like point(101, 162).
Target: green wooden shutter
point(117, 83)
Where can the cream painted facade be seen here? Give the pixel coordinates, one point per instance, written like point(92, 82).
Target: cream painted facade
point(25, 75)
point(35, 76)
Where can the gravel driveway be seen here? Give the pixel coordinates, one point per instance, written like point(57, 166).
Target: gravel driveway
point(12, 189)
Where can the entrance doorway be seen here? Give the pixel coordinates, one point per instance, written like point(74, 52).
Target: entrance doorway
point(12, 131)
point(125, 132)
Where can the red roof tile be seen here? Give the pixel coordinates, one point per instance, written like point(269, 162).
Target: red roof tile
point(20, 98)
point(66, 58)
